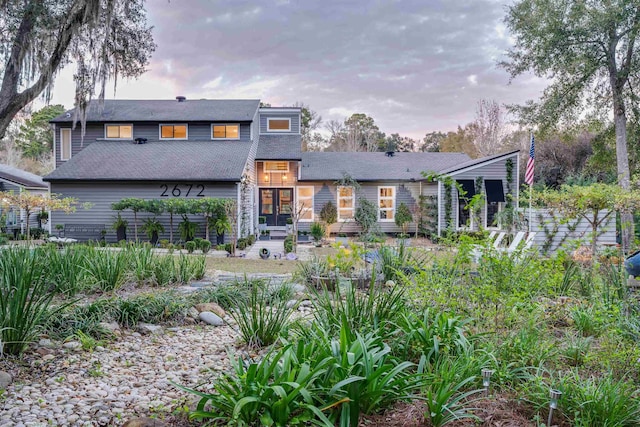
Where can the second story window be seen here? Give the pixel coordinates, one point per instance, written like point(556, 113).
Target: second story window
point(118, 131)
point(278, 125)
point(225, 131)
point(65, 144)
point(173, 131)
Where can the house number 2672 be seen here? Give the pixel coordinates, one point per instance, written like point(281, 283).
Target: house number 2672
point(182, 190)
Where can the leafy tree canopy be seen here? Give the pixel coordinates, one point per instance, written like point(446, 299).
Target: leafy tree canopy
point(35, 137)
point(105, 39)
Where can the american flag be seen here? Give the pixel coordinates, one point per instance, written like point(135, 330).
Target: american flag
point(528, 176)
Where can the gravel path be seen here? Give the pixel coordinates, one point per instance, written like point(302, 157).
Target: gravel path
point(131, 377)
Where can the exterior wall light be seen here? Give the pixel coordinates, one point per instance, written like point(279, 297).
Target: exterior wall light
point(486, 379)
point(266, 177)
point(284, 177)
point(554, 396)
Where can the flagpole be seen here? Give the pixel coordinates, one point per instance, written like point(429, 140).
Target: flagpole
point(530, 210)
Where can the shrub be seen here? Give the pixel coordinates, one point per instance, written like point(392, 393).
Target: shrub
point(242, 244)
point(317, 231)
point(288, 243)
point(190, 246)
point(205, 246)
point(260, 324)
point(329, 213)
point(251, 239)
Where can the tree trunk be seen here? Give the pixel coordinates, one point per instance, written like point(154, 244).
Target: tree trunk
point(622, 156)
point(135, 225)
point(171, 227)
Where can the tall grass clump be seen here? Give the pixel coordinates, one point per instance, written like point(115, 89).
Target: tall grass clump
point(190, 267)
point(24, 298)
point(108, 270)
point(143, 262)
point(261, 319)
point(164, 271)
point(373, 310)
point(65, 268)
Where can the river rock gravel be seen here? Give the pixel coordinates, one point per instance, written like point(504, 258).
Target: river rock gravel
point(126, 378)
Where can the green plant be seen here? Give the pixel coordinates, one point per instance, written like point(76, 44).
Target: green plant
point(403, 217)
point(278, 391)
point(187, 229)
point(108, 270)
point(205, 246)
point(317, 231)
point(118, 222)
point(190, 246)
point(25, 296)
point(87, 342)
point(329, 214)
point(152, 227)
point(143, 260)
point(260, 324)
point(262, 220)
point(374, 310)
point(447, 401)
point(288, 243)
point(164, 271)
point(366, 215)
point(586, 321)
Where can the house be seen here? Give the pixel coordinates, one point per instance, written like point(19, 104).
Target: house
point(18, 181)
point(237, 149)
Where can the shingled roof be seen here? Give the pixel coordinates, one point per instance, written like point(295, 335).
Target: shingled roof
point(21, 177)
point(279, 147)
point(206, 110)
point(377, 166)
point(156, 161)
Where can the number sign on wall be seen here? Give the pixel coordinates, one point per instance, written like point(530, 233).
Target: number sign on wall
point(182, 190)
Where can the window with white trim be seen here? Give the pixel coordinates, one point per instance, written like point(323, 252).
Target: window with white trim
point(346, 203)
point(305, 203)
point(225, 131)
point(173, 132)
point(118, 131)
point(65, 144)
point(386, 203)
point(276, 166)
point(278, 124)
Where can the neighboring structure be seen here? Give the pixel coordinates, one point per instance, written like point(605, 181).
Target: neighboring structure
point(18, 180)
point(236, 149)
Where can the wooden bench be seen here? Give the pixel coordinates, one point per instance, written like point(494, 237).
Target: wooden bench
point(84, 231)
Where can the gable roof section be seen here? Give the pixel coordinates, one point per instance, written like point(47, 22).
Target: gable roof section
point(155, 161)
point(318, 166)
point(206, 110)
point(472, 164)
point(279, 147)
point(21, 177)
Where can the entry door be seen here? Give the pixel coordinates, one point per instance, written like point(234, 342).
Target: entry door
point(275, 205)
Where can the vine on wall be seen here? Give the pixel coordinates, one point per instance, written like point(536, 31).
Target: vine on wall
point(509, 195)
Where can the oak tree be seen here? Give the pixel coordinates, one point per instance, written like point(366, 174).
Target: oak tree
point(589, 51)
point(104, 39)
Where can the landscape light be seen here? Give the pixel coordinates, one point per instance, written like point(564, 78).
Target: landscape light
point(486, 379)
point(554, 396)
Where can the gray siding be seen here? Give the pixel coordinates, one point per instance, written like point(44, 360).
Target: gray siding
point(9, 186)
point(406, 193)
point(102, 195)
point(495, 170)
point(150, 131)
point(295, 120)
point(560, 234)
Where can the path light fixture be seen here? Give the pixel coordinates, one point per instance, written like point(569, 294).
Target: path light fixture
point(554, 396)
point(486, 379)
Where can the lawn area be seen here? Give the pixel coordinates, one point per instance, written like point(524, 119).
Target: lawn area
point(243, 265)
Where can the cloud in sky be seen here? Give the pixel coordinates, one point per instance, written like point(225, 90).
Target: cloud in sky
point(415, 66)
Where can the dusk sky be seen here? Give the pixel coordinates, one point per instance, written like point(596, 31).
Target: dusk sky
point(414, 66)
